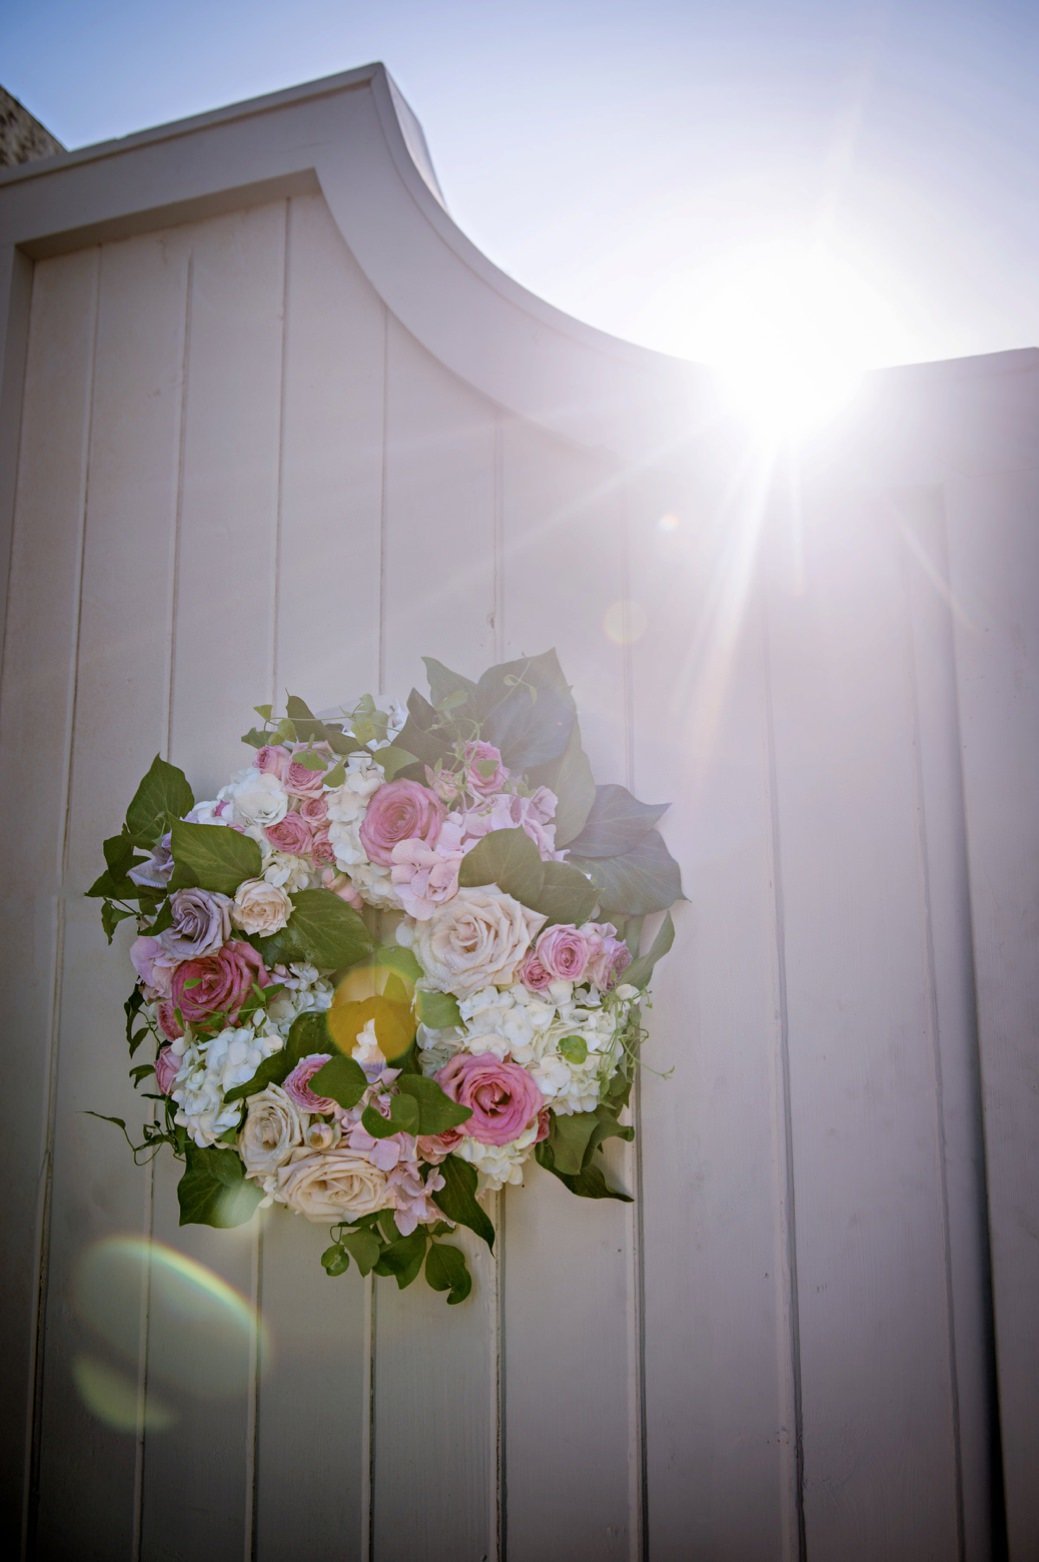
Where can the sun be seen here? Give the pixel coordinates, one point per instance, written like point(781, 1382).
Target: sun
point(791, 328)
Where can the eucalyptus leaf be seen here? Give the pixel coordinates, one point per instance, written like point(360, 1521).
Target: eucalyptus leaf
point(163, 795)
point(212, 856)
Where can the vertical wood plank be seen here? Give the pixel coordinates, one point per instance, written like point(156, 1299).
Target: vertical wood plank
point(570, 1349)
point(93, 1409)
point(879, 1439)
point(993, 562)
point(39, 657)
point(223, 649)
point(312, 1446)
point(435, 1401)
point(721, 1413)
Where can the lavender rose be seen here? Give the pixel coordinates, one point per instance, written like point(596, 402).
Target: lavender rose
point(201, 923)
point(400, 811)
point(503, 1097)
point(609, 954)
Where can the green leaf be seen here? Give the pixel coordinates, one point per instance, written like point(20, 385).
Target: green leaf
point(373, 1122)
point(423, 734)
point(132, 1008)
point(335, 1260)
point(570, 778)
point(446, 1270)
point(342, 1079)
point(510, 859)
point(213, 1190)
point(264, 711)
point(163, 795)
point(111, 916)
point(213, 856)
point(527, 710)
point(308, 759)
point(436, 1110)
point(255, 738)
point(403, 1258)
point(437, 1010)
point(443, 683)
point(640, 970)
point(644, 879)
point(308, 729)
point(570, 1140)
point(336, 776)
point(395, 957)
point(616, 823)
point(322, 930)
point(592, 1184)
point(364, 1247)
point(457, 1198)
point(394, 759)
point(574, 1049)
point(120, 855)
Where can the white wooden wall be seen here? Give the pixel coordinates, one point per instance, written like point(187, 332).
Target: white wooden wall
point(239, 472)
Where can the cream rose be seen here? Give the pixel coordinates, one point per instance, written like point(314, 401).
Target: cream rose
point(272, 1130)
point(475, 940)
point(333, 1184)
point(260, 907)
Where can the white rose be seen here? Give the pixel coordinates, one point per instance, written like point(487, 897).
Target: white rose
point(475, 940)
point(260, 907)
point(258, 799)
point(333, 1184)
point(273, 1128)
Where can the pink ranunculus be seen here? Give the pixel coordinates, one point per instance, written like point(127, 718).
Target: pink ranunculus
point(297, 1085)
point(300, 781)
point(533, 974)
point(503, 1097)
point(167, 1066)
point(609, 954)
point(153, 963)
point(400, 811)
point(218, 983)
point(291, 834)
point(273, 760)
point(314, 810)
point(321, 848)
point(564, 952)
point(484, 771)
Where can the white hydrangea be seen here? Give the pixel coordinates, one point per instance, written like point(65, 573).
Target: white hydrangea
point(497, 1164)
point(209, 1069)
point(347, 806)
point(305, 993)
point(437, 1047)
point(288, 872)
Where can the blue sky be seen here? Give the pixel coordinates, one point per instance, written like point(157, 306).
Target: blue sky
point(620, 158)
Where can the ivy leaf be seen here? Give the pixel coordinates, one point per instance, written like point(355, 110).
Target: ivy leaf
point(213, 1190)
point(364, 1247)
point(403, 1258)
point(343, 1079)
point(422, 733)
point(306, 1035)
point(436, 1110)
point(527, 710)
point(394, 759)
point(617, 822)
point(457, 1198)
point(322, 930)
point(592, 1184)
point(510, 859)
point(570, 1140)
point(335, 1260)
point(212, 856)
point(163, 795)
point(641, 969)
point(443, 683)
point(644, 879)
point(439, 1011)
point(446, 1270)
point(111, 916)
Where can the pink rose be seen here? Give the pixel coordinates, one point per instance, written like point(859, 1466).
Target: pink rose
point(291, 834)
point(400, 811)
point(484, 771)
point(321, 848)
point(297, 1085)
point(533, 974)
point(609, 954)
point(301, 781)
point(564, 952)
point(219, 983)
point(168, 1023)
point(167, 1066)
point(503, 1097)
point(314, 810)
point(273, 760)
point(435, 1148)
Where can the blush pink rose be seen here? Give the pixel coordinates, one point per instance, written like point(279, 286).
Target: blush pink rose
point(167, 1065)
point(564, 952)
point(273, 760)
point(219, 983)
point(291, 834)
point(400, 811)
point(484, 771)
point(321, 848)
point(313, 809)
point(168, 1023)
point(503, 1097)
point(300, 781)
point(533, 974)
point(297, 1085)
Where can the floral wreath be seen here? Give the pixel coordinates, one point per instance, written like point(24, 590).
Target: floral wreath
point(393, 960)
